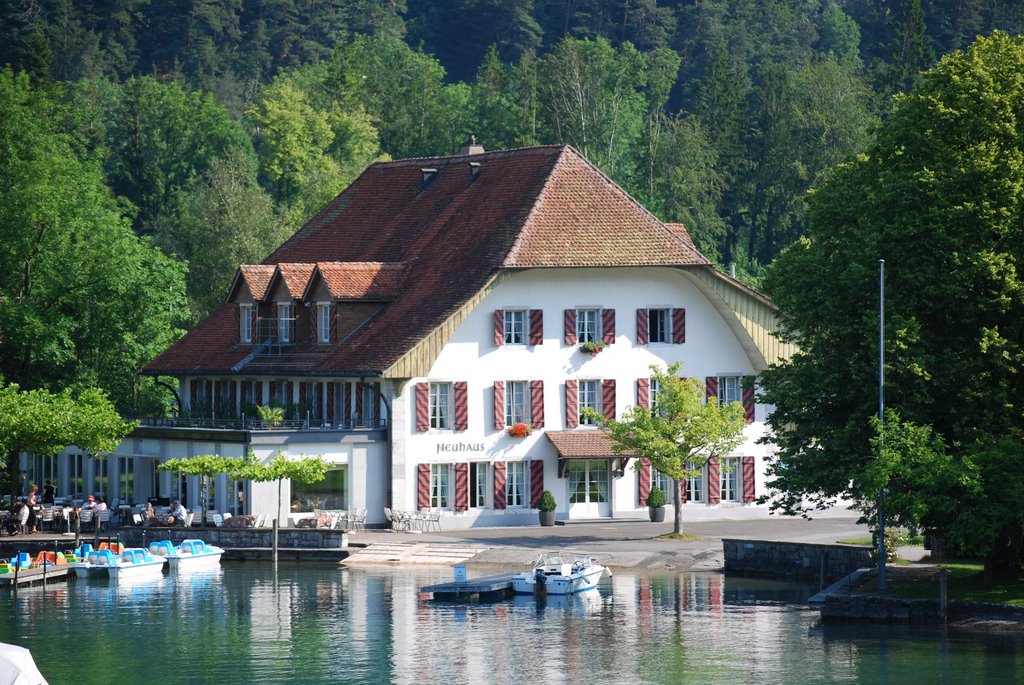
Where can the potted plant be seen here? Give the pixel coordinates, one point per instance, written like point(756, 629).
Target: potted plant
point(592, 347)
point(656, 504)
point(270, 416)
point(520, 430)
point(546, 506)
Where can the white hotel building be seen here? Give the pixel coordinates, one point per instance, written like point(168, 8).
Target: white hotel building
point(428, 308)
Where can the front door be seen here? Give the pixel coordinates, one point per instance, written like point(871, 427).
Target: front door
point(588, 489)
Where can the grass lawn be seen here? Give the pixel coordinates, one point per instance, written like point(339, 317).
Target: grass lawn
point(966, 582)
point(682, 537)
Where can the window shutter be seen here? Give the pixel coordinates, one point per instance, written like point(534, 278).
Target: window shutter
point(288, 393)
point(643, 477)
point(499, 327)
point(537, 404)
point(682, 490)
point(422, 407)
point(238, 322)
point(608, 398)
point(193, 395)
point(570, 327)
point(536, 481)
point(346, 406)
point(747, 471)
point(572, 410)
point(234, 398)
point(314, 322)
point(499, 485)
point(329, 409)
point(461, 406)
point(272, 397)
point(536, 326)
point(748, 398)
point(333, 336)
point(714, 481)
point(608, 326)
point(423, 486)
point(643, 326)
point(499, 405)
point(461, 487)
point(643, 392)
point(679, 325)
point(711, 386)
point(302, 395)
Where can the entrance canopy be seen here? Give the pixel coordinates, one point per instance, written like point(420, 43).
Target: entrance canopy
point(586, 444)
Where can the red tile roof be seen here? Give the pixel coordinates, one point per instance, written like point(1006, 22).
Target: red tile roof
point(257, 278)
point(363, 280)
point(452, 234)
point(582, 444)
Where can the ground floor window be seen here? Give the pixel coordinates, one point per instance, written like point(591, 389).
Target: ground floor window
point(694, 487)
point(126, 479)
point(330, 493)
point(40, 470)
point(730, 479)
point(588, 482)
point(440, 495)
point(515, 484)
point(664, 482)
point(100, 480)
point(477, 485)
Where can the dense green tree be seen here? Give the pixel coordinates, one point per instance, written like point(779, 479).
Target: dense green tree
point(206, 467)
point(939, 198)
point(83, 301)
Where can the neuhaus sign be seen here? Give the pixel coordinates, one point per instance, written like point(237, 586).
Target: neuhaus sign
point(444, 447)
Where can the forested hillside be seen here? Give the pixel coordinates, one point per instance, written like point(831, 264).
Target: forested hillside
point(219, 126)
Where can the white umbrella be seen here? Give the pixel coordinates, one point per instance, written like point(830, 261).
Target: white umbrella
point(17, 667)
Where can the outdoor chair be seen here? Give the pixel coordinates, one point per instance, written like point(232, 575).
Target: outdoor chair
point(46, 518)
point(104, 518)
point(432, 519)
point(85, 518)
point(218, 520)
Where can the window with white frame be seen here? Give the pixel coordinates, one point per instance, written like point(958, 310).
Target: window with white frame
point(515, 402)
point(728, 389)
point(695, 486)
point(284, 322)
point(515, 484)
point(515, 327)
point(589, 398)
point(126, 479)
point(245, 323)
point(323, 320)
point(440, 405)
point(660, 325)
point(76, 475)
point(655, 389)
point(477, 485)
point(588, 326)
point(730, 479)
point(440, 482)
point(662, 481)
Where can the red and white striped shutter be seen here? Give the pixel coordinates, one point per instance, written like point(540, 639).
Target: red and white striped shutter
point(536, 481)
point(643, 392)
point(238, 322)
point(643, 326)
point(608, 398)
point(537, 404)
point(536, 326)
point(572, 409)
point(346, 405)
point(359, 400)
point(193, 395)
point(272, 398)
point(422, 407)
point(302, 394)
point(499, 327)
point(289, 393)
point(499, 485)
point(314, 322)
point(714, 481)
point(461, 405)
point(334, 323)
point(235, 406)
point(747, 472)
point(608, 326)
point(330, 403)
point(423, 486)
point(569, 327)
point(643, 478)
point(711, 387)
point(461, 487)
point(682, 490)
point(499, 405)
point(679, 325)
point(748, 398)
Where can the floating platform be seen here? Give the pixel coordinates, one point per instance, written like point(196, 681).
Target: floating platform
point(28, 576)
point(482, 589)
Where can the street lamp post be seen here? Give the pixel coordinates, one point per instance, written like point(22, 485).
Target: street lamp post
point(881, 418)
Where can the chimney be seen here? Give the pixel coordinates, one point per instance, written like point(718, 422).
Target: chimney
point(474, 171)
point(428, 176)
point(470, 147)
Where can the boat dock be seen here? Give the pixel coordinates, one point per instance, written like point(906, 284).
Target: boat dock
point(28, 576)
point(482, 589)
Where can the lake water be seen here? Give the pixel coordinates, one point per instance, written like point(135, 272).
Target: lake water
point(246, 623)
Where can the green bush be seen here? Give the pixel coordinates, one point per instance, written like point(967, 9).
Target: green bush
point(656, 498)
point(547, 501)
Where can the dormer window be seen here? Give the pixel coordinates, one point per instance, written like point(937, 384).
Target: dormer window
point(323, 320)
point(284, 322)
point(245, 323)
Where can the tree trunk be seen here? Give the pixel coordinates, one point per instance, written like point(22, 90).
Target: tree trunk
point(677, 516)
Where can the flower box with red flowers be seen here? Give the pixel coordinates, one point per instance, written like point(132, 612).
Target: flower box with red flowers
point(592, 347)
point(520, 430)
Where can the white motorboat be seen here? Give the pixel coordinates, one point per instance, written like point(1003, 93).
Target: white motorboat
point(136, 562)
point(189, 555)
point(560, 573)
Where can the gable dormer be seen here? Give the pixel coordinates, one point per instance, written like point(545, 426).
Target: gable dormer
point(248, 290)
point(342, 296)
point(284, 300)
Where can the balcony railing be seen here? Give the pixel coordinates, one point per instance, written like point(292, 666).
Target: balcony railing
point(255, 424)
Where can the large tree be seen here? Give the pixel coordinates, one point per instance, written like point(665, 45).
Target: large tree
point(679, 432)
point(939, 198)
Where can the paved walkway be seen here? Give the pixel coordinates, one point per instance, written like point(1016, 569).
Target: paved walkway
point(627, 544)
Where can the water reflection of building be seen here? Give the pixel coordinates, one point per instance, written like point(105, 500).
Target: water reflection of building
point(434, 306)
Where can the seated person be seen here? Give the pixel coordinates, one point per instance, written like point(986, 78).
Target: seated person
point(149, 515)
point(18, 517)
point(177, 515)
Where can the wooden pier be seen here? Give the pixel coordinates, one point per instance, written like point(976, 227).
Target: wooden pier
point(482, 589)
point(28, 576)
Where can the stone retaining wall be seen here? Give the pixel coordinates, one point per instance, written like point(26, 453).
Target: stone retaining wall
point(240, 538)
point(840, 607)
point(794, 559)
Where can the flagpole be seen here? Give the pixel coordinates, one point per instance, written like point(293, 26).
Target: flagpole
point(881, 418)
